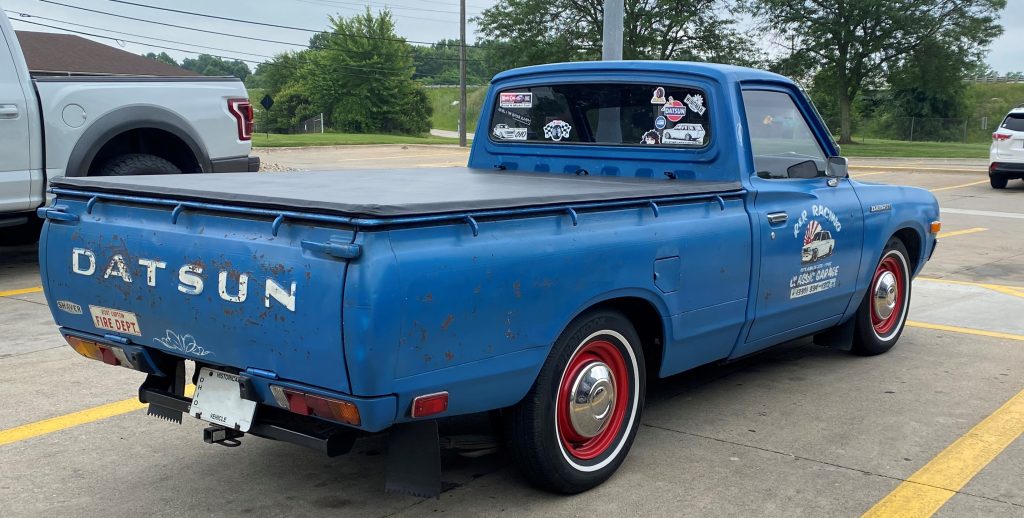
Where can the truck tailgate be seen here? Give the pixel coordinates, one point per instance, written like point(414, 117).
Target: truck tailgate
point(220, 288)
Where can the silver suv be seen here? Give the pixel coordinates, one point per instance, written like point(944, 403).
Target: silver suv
point(1006, 156)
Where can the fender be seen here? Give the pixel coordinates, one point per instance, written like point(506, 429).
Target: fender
point(130, 118)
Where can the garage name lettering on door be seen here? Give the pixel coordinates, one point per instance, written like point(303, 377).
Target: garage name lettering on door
point(191, 279)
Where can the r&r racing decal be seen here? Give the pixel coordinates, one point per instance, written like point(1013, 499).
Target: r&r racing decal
point(818, 243)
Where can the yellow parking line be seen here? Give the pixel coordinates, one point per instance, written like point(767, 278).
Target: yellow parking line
point(966, 330)
point(927, 490)
point(858, 175)
point(958, 186)
point(961, 232)
point(22, 291)
point(1009, 290)
point(89, 415)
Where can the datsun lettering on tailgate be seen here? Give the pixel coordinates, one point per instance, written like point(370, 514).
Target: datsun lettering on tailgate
point(617, 222)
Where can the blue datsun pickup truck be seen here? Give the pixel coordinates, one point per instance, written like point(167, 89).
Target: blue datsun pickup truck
point(617, 222)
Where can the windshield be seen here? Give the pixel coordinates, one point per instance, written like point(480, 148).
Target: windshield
point(610, 114)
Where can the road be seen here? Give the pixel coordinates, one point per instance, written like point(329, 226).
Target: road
point(799, 430)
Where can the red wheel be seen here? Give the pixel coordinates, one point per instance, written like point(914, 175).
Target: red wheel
point(883, 312)
point(576, 424)
point(592, 399)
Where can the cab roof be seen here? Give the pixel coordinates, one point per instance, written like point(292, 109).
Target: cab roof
point(723, 73)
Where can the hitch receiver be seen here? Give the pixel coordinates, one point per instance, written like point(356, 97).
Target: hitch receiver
point(223, 436)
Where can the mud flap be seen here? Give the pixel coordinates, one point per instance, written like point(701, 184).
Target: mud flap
point(840, 337)
point(173, 384)
point(414, 460)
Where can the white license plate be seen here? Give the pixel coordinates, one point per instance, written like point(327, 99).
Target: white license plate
point(218, 401)
point(115, 320)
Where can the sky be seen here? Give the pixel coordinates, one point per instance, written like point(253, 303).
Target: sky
point(416, 20)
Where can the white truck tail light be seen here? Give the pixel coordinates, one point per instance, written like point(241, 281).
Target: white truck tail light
point(999, 137)
point(241, 110)
point(302, 403)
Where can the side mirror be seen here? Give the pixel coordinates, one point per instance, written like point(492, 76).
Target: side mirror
point(837, 167)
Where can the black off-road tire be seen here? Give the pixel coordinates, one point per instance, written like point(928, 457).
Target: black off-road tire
point(997, 182)
point(137, 164)
point(874, 335)
point(537, 443)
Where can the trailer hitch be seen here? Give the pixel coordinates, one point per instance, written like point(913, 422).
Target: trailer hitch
point(223, 436)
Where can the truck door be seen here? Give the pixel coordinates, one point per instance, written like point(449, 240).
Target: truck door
point(15, 178)
point(811, 226)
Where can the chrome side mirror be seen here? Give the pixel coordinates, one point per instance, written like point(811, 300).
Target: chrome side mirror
point(837, 167)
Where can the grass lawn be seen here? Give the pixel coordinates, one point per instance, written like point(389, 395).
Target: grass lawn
point(446, 114)
point(897, 148)
point(342, 139)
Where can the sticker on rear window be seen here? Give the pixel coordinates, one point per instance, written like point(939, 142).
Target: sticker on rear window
point(516, 100)
point(115, 320)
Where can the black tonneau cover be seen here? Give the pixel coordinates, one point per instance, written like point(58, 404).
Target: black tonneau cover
point(392, 193)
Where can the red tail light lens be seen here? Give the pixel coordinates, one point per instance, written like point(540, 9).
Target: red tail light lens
point(430, 404)
point(1001, 136)
point(319, 406)
point(241, 110)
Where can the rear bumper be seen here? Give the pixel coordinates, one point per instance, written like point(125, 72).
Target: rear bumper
point(1006, 169)
point(240, 164)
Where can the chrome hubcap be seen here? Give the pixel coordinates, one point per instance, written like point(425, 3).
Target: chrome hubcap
point(885, 295)
point(593, 398)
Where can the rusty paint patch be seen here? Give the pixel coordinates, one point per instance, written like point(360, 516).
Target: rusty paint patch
point(427, 298)
point(449, 356)
point(517, 289)
point(447, 322)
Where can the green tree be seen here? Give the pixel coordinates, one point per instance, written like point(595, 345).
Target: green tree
point(360, 75)
point(856, 40)
point(438, 64)
point(208, 65)
point(162, 57)
point(525, 32)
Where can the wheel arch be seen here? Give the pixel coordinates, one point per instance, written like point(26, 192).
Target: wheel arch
point(913, 240)
point(645, 312)
point(155, 130)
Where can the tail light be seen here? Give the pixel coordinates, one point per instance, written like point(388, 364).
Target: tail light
point(999, 137)
point(241, 110)
point(302, 403)
point(430, 404)
point(107, 354)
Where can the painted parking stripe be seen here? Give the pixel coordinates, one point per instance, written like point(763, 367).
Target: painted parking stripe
point(1001, 288)
point(989, 213)
point(961, 232)
point(958, 186)
point(23, 291)
point(927, 490)
point(966, 330)
point(89, 415)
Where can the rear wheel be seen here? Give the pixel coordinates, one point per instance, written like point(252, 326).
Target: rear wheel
point(137, 164)
point(576, 425)
point(23, 234)
point(882, 315)
point(997, 182)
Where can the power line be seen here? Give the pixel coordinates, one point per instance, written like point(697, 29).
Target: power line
point(355, 7)
point(26, 15)
point(307, 46)
point(268, 63)
point(389, 6)
point(263, 24)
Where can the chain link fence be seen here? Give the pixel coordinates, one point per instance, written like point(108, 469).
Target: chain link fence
point(921, 129)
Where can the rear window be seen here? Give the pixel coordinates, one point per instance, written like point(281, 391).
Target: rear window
point(1013, 122)
point(608, 114)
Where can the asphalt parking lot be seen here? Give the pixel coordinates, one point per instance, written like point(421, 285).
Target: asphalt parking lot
point(933, 426)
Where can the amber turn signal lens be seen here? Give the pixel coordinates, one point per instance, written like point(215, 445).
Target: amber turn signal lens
point(936, 227)
point(86, 348)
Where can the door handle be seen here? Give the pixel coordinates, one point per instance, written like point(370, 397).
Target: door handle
point(8, 111)
point(777, 218)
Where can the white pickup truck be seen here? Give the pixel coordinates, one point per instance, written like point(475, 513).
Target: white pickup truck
point(109, 126)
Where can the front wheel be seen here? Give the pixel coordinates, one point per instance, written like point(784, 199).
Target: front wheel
point(883, 312)
point(576, 424)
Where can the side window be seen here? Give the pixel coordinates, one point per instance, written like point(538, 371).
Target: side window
point(782, 143)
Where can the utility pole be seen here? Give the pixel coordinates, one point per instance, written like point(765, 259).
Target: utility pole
point(613, 27)
point(462, 73)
